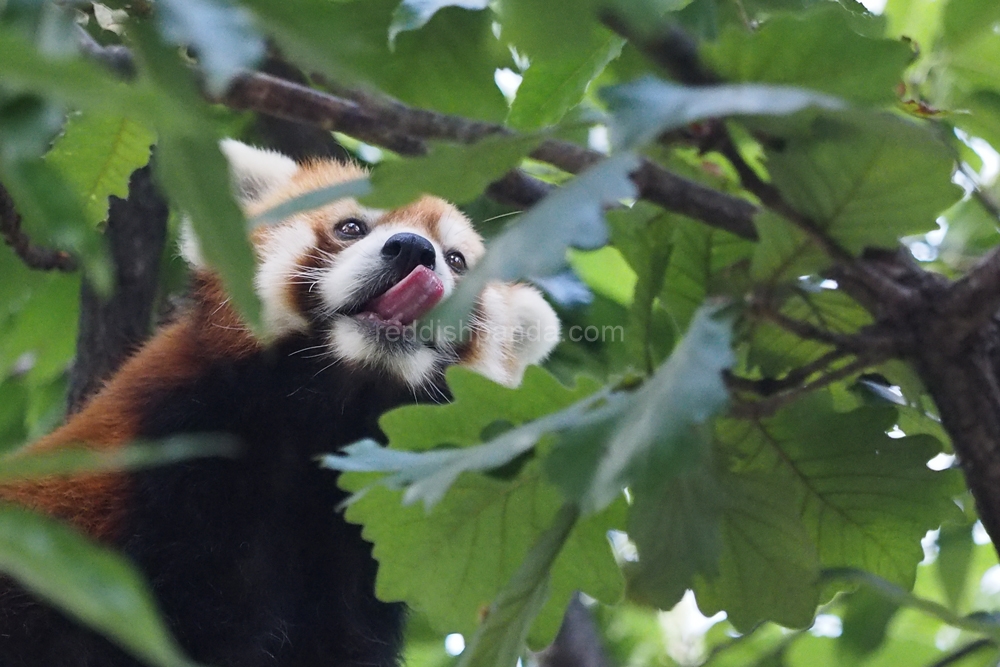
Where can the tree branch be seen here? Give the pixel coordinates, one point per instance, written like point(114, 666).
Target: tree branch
point(975, 297)
point(111, 329)
point(767, 407)
point(404, 130)
point(770, 386)
point(36, 257)
point(964, 652)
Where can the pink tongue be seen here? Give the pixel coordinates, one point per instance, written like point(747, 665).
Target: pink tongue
point(410, 298)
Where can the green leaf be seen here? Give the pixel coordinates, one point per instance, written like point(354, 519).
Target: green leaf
point(428, 475)
point(818, 50)
point(571, 216)
point(643, 235)
point(220, 33)
point(955, 545)
point(414, 14)
point(972, 49)
point(22, 465)
point(657, 433)
point(768, 568)
point(965, 22)
point(865, 498)
point(196, 178)
point(95, 585)
point(448, 65)
point(775, 350)
point(81, 84)
point(918, 20)
point(195, 175)
point(676, 530)
point(550, 88)
point(606, 272)
point(551, 30)
point(478, 403)
point(97, 155)
point(865, 621)
point(499, 641)
point(52, 308)
point(972, 230)
point(484, 522)
point(54, 215)
point(14, 394)
point(699, 254)
point(983, 624)
point(646, 108)
point(312, 200)
point(866, 180)
point(783, 252)
point(454, 172)
point(449, 564)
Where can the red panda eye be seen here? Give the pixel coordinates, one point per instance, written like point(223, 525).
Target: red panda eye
point(456, 261)
point(351, 228)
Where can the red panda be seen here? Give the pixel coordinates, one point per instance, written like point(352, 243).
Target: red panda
point(250, 563)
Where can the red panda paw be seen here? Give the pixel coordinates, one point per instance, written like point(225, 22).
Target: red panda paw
point(513, 327)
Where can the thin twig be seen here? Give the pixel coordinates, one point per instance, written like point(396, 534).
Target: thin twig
point(963, 652)
point(768, 406)
point(36, 257)
point(867, 339)
point(770, 386)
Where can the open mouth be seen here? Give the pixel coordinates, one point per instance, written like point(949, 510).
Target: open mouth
point(405, 302)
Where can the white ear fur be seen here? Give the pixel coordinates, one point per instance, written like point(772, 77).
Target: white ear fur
point(256, 172)
point(189, 246)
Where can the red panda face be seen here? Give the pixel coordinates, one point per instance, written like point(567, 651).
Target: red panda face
point(358, 275)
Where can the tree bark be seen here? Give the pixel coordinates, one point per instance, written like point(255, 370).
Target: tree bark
point(578, 643)
point(111, 329)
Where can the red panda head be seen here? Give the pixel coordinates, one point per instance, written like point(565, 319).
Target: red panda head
point(361, 276)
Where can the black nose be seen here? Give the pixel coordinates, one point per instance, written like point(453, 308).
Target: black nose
point(406, 252)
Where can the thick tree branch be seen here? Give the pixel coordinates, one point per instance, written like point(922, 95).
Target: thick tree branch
point(36, 257)
point(975, 297)
point(668, 46)
point(404, 130)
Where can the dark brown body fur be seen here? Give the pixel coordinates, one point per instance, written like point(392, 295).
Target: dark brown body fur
point(251, 564)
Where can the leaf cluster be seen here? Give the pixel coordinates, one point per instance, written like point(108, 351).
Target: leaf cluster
point(734, 427)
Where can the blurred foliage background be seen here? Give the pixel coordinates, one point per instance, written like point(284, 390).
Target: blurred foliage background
point(812, 505)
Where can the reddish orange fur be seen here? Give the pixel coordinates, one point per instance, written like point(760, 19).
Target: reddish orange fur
point(176, 354)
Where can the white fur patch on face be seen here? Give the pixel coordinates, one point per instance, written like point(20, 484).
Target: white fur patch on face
point(341, 284)
point(349, 270)
point(281, 249)
point(515, 328)
point(351, 341)
point(456, 233)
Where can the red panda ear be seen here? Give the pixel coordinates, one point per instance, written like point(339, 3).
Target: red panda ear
point(256, 172)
